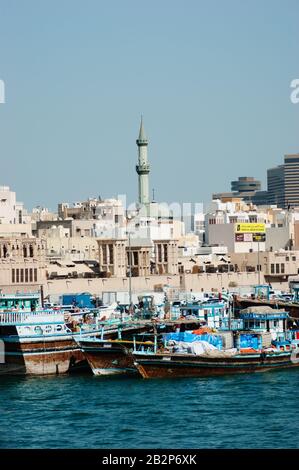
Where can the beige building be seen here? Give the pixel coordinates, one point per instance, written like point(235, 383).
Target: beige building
point(15, 230)
point(138, 257)
point(74, 248)
point(112, 257)
point(275, 266)
point(74, 228)
point(202, 282)
point(117, 255)
point(166, 256)
point(22, 263)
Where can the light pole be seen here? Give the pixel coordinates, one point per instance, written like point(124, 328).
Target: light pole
point(130, 271)
point(258, 260)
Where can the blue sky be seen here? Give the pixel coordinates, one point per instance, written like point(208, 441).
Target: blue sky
point(211, 78)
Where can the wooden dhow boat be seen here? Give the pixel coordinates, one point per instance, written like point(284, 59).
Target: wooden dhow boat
point(114, 356)
point(261, 343)
point(168, 364)
point(41, 342)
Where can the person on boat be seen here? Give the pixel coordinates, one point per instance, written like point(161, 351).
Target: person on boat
point(85, 318)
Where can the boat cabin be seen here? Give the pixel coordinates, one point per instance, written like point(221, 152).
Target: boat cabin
point(212, 313)
point(19, 302)
point(264, 319)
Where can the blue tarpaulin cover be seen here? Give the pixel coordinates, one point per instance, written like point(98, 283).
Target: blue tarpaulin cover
point(250, 341)
point(189, 337)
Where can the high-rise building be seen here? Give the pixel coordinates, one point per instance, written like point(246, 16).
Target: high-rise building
point(291, 180)
point(283, 183)
point(245, 184)
point(275, 185)
point(247, 188)
point(143, 167)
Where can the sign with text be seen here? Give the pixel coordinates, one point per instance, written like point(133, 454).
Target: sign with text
point(250, 228)
point(250, 237)
point(259, 237)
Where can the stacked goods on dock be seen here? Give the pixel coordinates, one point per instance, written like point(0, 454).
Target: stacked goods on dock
point(189, 337)
point(227, 339)
point(266, 339)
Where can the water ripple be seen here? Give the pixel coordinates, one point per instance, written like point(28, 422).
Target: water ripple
point(248, 411)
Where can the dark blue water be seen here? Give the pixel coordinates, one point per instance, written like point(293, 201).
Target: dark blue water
point(248, 411)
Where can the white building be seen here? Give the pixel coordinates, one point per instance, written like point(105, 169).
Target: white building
point(11, 211)
point(241, 228)
point(110, 218)
point(14, 220)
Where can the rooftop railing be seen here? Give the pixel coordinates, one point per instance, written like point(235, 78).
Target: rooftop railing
point(24, 317)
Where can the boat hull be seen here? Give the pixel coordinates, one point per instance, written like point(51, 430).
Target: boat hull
point(168, 366)
point(41, 357)
point(109, 358)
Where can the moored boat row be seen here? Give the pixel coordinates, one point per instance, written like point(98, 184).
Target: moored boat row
point(259, 341)
point(202, 340)
point(41, 341)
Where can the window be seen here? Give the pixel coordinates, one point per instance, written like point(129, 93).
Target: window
point(272, 269)
point(293, 258)
point(282, 268)
point(30, 275)
point(111, 260)
point(22, 275)
point(35, 274)
point(165, 253)
point(26, 275)
point(277, 268)
point(160, 253)
point(13, 276)
point(105, 253)
point(17, 276)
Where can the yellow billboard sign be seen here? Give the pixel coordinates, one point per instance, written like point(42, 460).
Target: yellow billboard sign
point(250, 228)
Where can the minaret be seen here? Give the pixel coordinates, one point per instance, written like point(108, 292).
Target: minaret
point(143, 167)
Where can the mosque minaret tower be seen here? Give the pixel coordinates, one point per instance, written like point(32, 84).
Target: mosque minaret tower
point(143, 167)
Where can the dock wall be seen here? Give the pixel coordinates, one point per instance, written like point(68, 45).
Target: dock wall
point(202, 282)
